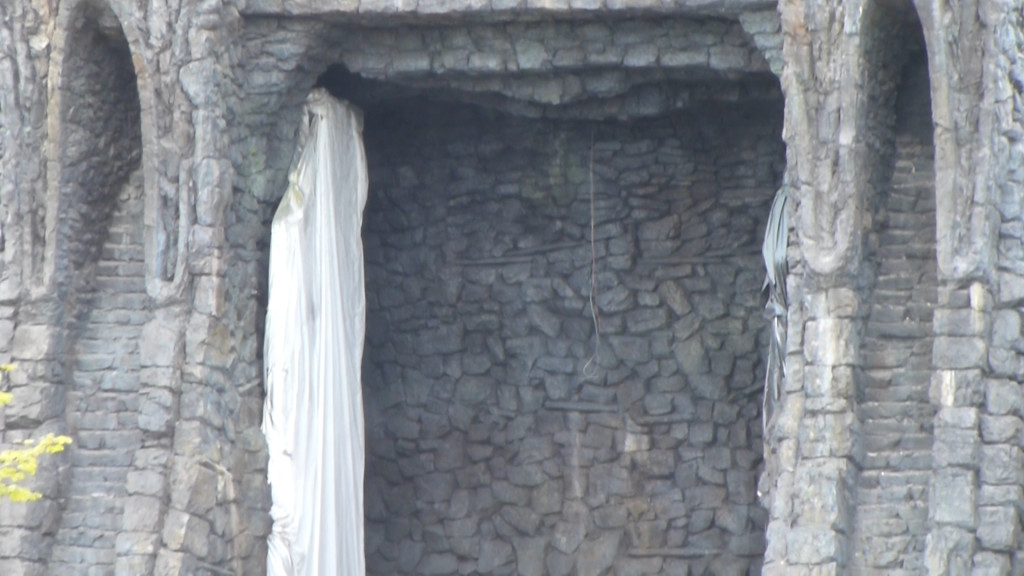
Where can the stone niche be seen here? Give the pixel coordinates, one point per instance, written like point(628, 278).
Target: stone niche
point(522, 176)
point(95, 260)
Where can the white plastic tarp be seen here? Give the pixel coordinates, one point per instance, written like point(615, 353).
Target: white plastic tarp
point(313, 416)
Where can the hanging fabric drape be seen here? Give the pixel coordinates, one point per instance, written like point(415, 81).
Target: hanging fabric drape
point(313, 416)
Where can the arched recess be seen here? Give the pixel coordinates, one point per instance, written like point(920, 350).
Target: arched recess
point(163, 235)
point(98, 142)
point(95, 269)
point(893, 380)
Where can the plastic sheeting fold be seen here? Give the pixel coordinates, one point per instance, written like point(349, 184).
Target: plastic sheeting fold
point(313, 415)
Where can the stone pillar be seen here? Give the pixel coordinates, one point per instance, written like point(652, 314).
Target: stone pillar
point(959, 356)
point(814, 434)
point(978, 465)
point(831, 169)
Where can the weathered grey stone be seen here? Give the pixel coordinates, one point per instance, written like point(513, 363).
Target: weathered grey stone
point(558, 563)
point(523, 519)
point(1001, 464)
point(1003, 397)
point(998, 527)
point(530, 556)
point(494, 554)
point(953, 493)
point(438, 564)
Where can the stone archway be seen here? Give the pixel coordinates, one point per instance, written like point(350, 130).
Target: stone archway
point(96, 268)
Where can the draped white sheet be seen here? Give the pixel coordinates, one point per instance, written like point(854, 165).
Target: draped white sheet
point(313, 416)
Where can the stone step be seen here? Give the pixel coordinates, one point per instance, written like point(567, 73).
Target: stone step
point(882, 551)
point(85, 458)
point(917, 412)
point(119, 268)
point(898, 460)
point(127, 301)
point(877, 391)
point(121, 284)
point(119, 316)
point(870, 571)
point(893, 495)
point(80, 559)
point(130, 253)
point(894, 332)
point(893, 428)
point(913, 514)
point(874, 442)
point(95, 345)
point(885, 357)
point(91, 536)
point(887, 479)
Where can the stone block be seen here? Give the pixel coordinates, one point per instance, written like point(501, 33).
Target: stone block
point(955, 447)
point(142, 514)
point(953, 492)
point(527, 475)
point(990, 564)
point(157, 411)
point(596, 556)
point(814, 544)
point(957, 417)
point(137, 543)
point(530, 555)
point(521, 518)
point(826, 434)
point(213, 190)
point(438, 565)
point(992, 495)
point(1000, 429)
point(160, 344)
point(998, 527)
point(1011, 288)
point(134, 565)
point(1001, 464)
point(830, 342)
point(558, 563)
point(611, 516)
point(631, 349)
point(31, 342)
point(6, 334)
point(187, 533)
point(959, 352)
point(1003, 397)
point(494, 554)
point(436, 487)
point(958, 322)
point(1006, 329)
point(472, 390)
point(957, 388)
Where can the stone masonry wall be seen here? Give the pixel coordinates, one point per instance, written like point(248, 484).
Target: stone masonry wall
point(893, 392)
point(638, 452)
point(494, 446)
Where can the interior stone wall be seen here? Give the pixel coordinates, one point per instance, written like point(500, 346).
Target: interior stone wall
point(498, 441)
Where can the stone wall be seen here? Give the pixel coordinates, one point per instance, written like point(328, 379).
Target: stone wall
point(219, 86)
point(498, 442)
point(893, 390)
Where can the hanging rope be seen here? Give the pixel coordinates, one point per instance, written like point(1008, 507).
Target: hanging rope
point(590, 369)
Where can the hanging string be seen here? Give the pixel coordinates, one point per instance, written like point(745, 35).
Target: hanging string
point(590, 368)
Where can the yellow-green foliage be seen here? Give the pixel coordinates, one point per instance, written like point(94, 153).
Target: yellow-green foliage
point(17, 464)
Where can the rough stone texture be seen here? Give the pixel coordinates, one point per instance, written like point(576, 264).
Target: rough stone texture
point(892, 492)
point(487, 417)
point(143, 146)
